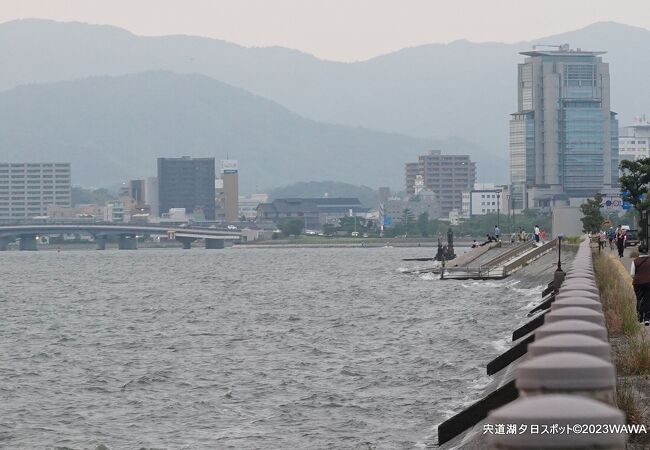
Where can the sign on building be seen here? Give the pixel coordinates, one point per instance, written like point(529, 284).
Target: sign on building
point(229, 166)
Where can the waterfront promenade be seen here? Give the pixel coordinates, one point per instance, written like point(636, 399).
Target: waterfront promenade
point(581, 361)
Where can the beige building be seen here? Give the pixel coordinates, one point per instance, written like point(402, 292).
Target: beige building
point(448, 176)
point(26, 189)
point(229, 194)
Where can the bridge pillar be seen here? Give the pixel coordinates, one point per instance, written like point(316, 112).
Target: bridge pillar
point(214, 243)
point(128, 242)
point(28, 242)
point(4, 243)
point(101, 242)
point(186, 242)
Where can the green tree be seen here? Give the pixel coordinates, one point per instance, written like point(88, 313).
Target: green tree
point(423, 224)
point(291, 225)
point(593, 219)
point(350, 224)
point(434, 226)
point(396, 230)
point(329, 228)
point(408, 221)
point(81, 196)
point(634, 182)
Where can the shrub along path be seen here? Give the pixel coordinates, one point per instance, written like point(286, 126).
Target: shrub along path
point(630, 340)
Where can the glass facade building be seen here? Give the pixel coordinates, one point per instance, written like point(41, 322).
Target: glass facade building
point(187, 183)
point(563, 138)
point(522, 156)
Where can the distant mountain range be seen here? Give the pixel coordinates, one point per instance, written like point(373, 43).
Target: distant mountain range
point(114, 128)
point(462, 89)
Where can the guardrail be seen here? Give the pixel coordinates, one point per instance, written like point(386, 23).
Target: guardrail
point(528, 257)
point(516, 250)
point(480, 272)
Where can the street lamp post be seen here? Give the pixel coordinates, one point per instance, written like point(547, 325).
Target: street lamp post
point(558, 276)
point(508, 200)
point(498, 206)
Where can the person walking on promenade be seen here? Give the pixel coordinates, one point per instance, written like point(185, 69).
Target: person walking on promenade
point(497, 232)
point(536, 233)
point(640, 271)
point(601, 240)
point(620, 240)
point(542, 235)
point(611, 234)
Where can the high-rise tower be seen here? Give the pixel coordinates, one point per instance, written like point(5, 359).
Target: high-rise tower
point(563, 137)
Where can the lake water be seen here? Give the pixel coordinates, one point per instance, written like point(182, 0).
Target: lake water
point(243, 348)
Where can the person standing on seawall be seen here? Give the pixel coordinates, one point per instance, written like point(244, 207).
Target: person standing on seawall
point(536, 233)
point(497, 232)
point(620, 240)
point(640, 272)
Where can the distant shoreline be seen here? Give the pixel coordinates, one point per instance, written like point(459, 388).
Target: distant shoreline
point(283, 243)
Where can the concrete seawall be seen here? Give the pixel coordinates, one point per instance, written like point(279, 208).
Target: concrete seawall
point(561, 378)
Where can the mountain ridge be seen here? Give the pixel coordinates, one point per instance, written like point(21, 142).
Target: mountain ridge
point(114, 128)
point(431, 91)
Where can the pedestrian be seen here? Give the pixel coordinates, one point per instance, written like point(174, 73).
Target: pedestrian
point(522, 234)
point(640, 271)
point(620, 240)
point(497, 232)
point(602, 237)
point(542, 235)
point(611, 234)
point(536, 232)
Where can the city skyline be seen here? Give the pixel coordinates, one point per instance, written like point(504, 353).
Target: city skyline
point(336, 30)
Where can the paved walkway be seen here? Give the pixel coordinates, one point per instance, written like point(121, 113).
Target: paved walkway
point(626, 260)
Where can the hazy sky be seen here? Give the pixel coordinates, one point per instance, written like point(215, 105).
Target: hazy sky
point(339, 29)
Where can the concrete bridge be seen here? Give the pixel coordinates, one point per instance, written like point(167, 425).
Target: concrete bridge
point(126, 234)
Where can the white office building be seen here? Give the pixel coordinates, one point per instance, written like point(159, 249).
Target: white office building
point(27, 189)
point(634, 141)
point(485, 198)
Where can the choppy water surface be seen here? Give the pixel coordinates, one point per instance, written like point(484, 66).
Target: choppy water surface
point(241, 348)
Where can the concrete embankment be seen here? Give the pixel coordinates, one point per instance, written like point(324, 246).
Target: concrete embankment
point(565, 377)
